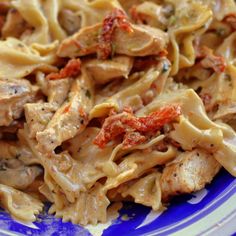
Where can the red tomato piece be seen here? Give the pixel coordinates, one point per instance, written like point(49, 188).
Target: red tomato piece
point(72, 69)
point(125, 123)
point(116, 19)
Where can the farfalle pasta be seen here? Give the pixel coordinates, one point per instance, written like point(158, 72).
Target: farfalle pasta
point(105, 101)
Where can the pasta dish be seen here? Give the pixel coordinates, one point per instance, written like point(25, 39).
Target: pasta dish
point(107, 101)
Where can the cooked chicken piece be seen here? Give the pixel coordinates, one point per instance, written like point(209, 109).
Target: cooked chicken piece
point(38, 116)
point(104, 71)
point(58, 90)
point(15, 24)
point(70, 21)
point(14, 94)
point(15, 174)
point(189, 172)
point(70, 118)
point(151, 41)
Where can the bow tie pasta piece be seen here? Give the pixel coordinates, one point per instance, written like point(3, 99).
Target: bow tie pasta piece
point(19, 60)
point(19, 204)
point(145, 190)
point(184, 27)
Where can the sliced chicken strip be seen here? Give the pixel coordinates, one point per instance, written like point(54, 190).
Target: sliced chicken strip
point(71, 118)
point(58, 90)
point(188, 173)
point(14, 94)
point(142, 41)
point(38, 116)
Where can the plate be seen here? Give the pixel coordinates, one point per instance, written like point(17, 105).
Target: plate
point(211, 211)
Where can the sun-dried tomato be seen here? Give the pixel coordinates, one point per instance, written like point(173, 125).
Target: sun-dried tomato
point(116, 19)
point(112, 127)
point(82, 112)
point(72, 69)
point(133, 138)
point(209, 59)
point(217, 63)
point(159, 118)
point(66, 109)
point(123, 123)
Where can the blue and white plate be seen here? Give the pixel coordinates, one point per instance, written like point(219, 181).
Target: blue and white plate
point(211, 211)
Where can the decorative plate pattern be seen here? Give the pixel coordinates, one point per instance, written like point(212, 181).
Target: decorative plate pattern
point(201, 214)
